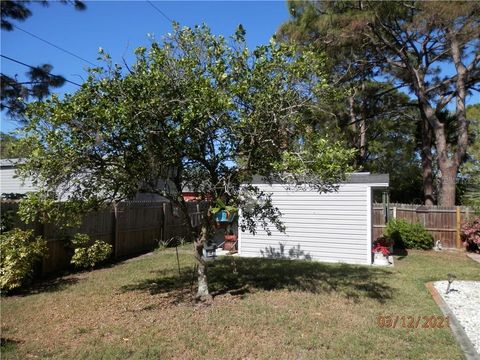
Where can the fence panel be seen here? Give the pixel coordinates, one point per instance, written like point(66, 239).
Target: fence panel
point(441, 222)
point(134, 227)
point(138, 227)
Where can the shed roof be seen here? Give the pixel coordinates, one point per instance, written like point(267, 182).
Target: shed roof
point(11, 162)
point(352, 178)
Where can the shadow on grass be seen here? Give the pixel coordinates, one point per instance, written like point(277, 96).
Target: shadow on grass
point(46, 286)
point(256, 274)
point(7, 345)
point(401, 252)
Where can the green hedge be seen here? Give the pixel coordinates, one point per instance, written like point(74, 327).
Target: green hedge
point(409, 236)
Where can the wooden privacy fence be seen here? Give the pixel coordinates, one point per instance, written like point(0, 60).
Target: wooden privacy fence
point(132, 228)
point(443, 223)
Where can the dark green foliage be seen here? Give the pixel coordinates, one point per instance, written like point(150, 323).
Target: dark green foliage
point(409, 236)
point(470, 171)
point(7, 219)
point(15, 94)
point(194, 110)
point(10, 146)
point(407, 43)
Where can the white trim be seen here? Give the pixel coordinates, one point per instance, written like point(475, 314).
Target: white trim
point(378, 185)
point(369, 225)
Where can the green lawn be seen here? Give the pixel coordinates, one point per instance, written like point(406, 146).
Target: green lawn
point(141, 309)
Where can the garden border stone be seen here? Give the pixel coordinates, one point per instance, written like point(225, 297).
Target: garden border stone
point(458, 332)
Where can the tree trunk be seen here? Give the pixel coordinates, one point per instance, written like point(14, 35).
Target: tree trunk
point(448, 168)
point(363, 140)
point(448, 184)
point(427, 161)
point(202, 293)
point(460, 109)
point(362, 146)
point(353, 128)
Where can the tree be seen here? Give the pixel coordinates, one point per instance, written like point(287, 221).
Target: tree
point(40, 80)
point(374, 114)
point(470, 171)
point(10, 147)
point(196, 111)
point(409, 42)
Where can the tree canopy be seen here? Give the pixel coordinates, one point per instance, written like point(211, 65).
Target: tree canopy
point(10, 147)
point(408, 44)
point(197, 111)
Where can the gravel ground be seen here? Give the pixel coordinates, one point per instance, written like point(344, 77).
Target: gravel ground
point(464, 302)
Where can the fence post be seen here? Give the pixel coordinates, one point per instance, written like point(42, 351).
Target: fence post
point(164, 208)
point(394, 215)
point(40, 227)
point(115, 231)
point(458, 223)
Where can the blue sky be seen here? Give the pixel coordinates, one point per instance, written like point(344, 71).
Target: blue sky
point(121, 26)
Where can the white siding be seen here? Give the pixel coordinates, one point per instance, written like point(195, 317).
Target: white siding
point(330, 227)
point(9, 183)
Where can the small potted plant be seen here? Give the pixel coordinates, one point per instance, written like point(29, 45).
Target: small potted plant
point(230, 237)
point(381, 249)
point(223, 214)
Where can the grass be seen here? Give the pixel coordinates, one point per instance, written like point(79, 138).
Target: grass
point(142, 309)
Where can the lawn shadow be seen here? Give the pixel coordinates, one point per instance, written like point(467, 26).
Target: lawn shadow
point(46, 286)
point(240, 276)
point(7, 345)
point(401, 252)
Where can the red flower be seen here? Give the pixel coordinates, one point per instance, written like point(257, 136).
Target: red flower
point(382, 245)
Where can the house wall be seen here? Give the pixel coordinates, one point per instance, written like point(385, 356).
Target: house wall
point(331, 227)
point(9, 183)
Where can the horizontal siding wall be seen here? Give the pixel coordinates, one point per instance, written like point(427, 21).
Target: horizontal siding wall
point(9, 183)
point(328, 227)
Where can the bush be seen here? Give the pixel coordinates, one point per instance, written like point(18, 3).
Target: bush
point(471, 234)
point(409, 236)
point(87, 255)
point(20, 250)
point(7, 220)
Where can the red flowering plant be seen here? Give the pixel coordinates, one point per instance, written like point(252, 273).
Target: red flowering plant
point(471, 234)
point(382, 245)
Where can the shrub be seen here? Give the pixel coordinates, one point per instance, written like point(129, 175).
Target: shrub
point(410, 236)
point(471, 234)
point(7, 220)
point(20, 250)
point(87, 254)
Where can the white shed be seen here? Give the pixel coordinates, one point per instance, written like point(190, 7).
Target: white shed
point(330, 227)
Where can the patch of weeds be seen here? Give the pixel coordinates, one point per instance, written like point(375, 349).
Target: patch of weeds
point(81, 331)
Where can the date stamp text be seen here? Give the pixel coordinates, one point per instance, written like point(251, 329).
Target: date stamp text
point(412, 322)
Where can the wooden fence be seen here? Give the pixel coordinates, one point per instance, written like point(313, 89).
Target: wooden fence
point(132, 228)
point(442, 222)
